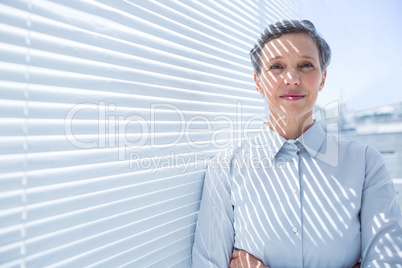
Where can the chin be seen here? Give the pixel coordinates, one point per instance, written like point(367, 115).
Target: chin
point(293, 113)
point(297, 114)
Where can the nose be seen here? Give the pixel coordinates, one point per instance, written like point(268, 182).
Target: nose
point(292, 78)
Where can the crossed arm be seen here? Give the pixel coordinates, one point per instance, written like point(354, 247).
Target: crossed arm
point(379, 212)
point(243, 259)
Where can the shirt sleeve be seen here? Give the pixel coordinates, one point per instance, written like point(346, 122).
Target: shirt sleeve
point(380, 216)
point(214, 235)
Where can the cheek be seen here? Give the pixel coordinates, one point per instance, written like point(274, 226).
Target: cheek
point(271, 81)
point(313, 81)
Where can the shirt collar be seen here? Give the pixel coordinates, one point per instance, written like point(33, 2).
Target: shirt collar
point(269, 141)
point(312, 140)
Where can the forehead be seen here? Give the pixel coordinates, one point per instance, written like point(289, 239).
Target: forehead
point(290, 45)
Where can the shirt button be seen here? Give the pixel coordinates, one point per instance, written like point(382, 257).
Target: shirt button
point(295, 229)
point(299, 150)
point(295, 191)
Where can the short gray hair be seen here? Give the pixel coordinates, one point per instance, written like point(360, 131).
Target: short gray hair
point(279, 28)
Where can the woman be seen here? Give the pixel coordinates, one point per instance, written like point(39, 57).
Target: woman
point(293, 196)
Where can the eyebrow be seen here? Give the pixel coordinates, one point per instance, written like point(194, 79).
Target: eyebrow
point(280, 57)
point(308, 57)
point(275, 58)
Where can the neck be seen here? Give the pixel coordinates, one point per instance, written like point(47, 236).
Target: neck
point(290, 128)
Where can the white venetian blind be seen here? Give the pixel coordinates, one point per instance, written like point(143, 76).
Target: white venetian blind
point(109, 111)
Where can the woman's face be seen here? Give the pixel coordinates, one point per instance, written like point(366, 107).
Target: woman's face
point(291, 76)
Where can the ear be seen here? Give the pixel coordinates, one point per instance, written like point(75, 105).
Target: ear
point(324, 76)
point(258, 84)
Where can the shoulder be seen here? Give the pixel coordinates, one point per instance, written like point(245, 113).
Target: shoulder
point(370, 157)
point(351, 154)
point(225, 158)
point(354, 148)
point(358, 148)
point(222, 167)
point(350, 145)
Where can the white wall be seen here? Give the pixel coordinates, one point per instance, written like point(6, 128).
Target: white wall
point(109, 111)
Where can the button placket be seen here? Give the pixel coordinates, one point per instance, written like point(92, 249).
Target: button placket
point(295, 187)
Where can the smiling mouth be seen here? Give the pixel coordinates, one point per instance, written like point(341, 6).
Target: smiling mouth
point(292, 97)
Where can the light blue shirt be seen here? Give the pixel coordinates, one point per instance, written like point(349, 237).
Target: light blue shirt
point(310, 202)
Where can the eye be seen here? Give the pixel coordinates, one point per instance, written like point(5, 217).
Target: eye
point(276, 66)
point(306, 65)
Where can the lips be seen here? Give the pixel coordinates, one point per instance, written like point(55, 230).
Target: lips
point(292, 96)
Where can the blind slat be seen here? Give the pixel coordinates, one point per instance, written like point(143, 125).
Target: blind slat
point(109, 114)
